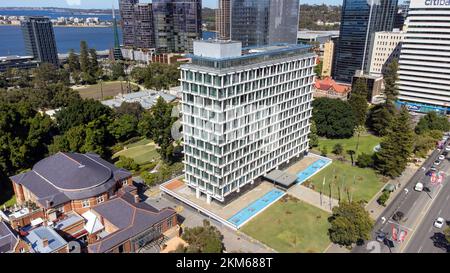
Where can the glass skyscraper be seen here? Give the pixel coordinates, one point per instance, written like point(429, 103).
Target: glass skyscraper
point(177, 23)
point(127, 15)
point(360, 20)
point(262, 22)
point(39, 39)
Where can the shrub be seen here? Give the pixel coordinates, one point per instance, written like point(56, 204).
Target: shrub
point(338, 149)
point(127, 163)
point(383, 198)
point(324, 151)
point(365, 160)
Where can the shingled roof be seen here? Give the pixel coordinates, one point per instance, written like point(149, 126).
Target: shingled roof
point(8, 238)
point(131, 219)
point(63, 177)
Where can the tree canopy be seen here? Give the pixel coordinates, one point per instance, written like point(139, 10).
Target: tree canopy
point(334, 118)
point(350, 223)
point(204, 239)
point(396, 147)
point(157, 76)
point(432, 121)
point(81, 112)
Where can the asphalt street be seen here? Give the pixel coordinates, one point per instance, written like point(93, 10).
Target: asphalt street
point(427, 238)
point(414, 205)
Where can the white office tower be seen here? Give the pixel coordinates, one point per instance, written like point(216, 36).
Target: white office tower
point(244, 113)
point(385, 48)
point(424, 75)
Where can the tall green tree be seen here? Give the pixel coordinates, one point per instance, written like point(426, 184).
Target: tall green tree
point(396, 147)
point(313, 137)
point(117, 71)
point(73, 62)
point(84, 57)
point(390, 80)
point(94, 68)
point(350, 223)
point(358, 101)
point(381, 116)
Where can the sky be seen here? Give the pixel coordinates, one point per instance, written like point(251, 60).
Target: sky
point(108, 3)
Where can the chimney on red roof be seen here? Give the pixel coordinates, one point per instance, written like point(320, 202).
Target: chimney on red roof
point(136, 198)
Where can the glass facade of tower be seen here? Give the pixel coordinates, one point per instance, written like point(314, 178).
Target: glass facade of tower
point(262, 22)
point(39, 39)
point(177, 23)
point(359, 22)
point(127, 15)
point(244, 116)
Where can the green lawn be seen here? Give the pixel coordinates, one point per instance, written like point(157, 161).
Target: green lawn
point(363, 184)
point(110, 89)
point(143, 151)
point(366, 144)
point(291, 226)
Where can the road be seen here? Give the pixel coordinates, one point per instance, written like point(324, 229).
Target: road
point(427, 238)
point(414, 205)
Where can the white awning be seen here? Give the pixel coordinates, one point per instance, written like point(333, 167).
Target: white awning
point(93, 223)
point(37, 221)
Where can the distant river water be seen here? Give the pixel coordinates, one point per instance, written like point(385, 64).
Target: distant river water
point(67, 38)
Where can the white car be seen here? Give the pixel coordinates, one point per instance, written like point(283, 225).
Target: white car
point(439, 223)
point(419, 187)
point(441, 157)
point(447, 148)
point(437, 163)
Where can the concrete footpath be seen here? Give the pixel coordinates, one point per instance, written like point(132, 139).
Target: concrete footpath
point(313, 198)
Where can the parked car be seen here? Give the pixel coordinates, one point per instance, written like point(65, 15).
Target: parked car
point(419, 187)
point(447, 148)
point(398, 216)
point(437, 163)
point(381, 237)
point(439, 223)
point(442, 157)
point(445, 153)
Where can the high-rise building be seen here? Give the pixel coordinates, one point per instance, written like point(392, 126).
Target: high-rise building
point(263, 22)
point(385, 48)
point(127, 15)
point(359, 21)
point(40, 39)
point(144, 30)
point(245, 113)
point(177, 24)
point(327, 61)
point(223, 17)
point(424, 82)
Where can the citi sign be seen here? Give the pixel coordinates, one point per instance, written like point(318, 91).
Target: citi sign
point(437, 2)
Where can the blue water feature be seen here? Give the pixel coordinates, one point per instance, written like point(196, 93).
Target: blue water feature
point(239, 218)
point(311, 170)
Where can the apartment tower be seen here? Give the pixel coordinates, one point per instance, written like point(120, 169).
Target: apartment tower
point(39, 39)
point(245, 113)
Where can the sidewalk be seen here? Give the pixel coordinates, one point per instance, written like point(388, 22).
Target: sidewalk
point(376, 210)
point(313, 198)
